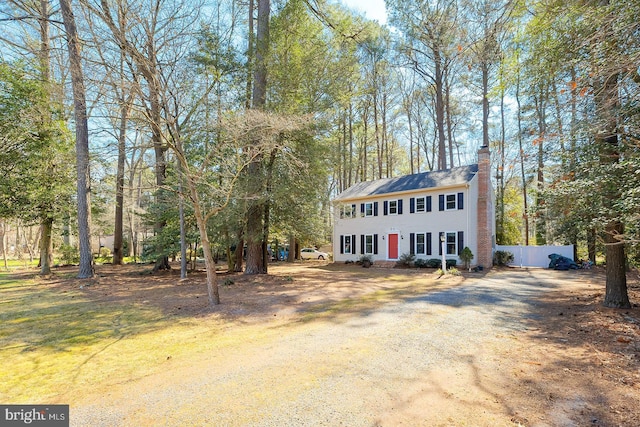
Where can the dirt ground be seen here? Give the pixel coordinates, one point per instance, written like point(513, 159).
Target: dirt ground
point(575, 356)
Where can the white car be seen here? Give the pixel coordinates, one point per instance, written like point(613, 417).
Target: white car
point(310, 253)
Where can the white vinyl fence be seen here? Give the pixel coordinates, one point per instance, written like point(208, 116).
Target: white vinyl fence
point(535, 256)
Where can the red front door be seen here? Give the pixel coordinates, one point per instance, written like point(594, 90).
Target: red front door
point(393, 246)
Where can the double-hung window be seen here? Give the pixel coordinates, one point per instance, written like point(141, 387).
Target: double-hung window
point(450, 202)
point(422, 204)
point(368, 209)
point(368, 244)
point(421, 244)
point(347, 245)
point(393, 207)
point(348, 211)
point(451, 243)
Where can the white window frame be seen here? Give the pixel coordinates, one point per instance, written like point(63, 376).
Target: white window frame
point(393, 207)
point(424, 243)
point(368, 244)
point(455, 202)
point(453, 244)
point(348, 211)
point(348, 243)
point(424, 204)
point(368, 209)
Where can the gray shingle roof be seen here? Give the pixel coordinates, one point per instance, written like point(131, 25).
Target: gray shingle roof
point(434, 179)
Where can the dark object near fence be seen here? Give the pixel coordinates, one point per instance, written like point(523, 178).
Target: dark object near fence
point(559, 262)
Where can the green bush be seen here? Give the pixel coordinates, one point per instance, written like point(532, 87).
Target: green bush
point(420, 263)
point(466, 256)
point(366, 261)
point(437, 263)
point(69, 255)
point(502, 258)
point(406, 260)
point(434, 263)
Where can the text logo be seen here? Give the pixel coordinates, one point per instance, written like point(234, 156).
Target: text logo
point(34, 415)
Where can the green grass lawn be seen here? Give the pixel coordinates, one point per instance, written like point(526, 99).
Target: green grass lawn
point(59, 341)
point(13, 264)
point(56, 343)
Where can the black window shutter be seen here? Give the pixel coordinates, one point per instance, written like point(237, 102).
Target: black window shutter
point(441, 199)
point(400, 207)
point(428, 238)
point(375, 244)
point(375, 208)
point(460, 200)
point(341, 244)
point(428, 203)
point(460, 241)
point(412, 205)
point(353, 211)
point(386, 207)
point(362, 209)
point(412, 241)
point(440, 235)
point(353, 244)
point(362, 244)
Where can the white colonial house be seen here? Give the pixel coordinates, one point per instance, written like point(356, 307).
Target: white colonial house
point(413, 214)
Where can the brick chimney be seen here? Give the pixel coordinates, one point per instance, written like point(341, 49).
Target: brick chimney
point(486, 220)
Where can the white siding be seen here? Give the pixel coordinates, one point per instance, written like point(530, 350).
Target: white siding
point(458, 220)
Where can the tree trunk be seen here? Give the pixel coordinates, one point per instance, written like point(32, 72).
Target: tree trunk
point(385, 141)
point(439, 87)
point(616, 294)
point(350, 182)
point(365, 135)
point(183, 237)
point(591, 245)
point(227, 241)
point(255, 261)
point(3, 246)
point(541, 224)
point(500, 177)
point(292, 248)
point(46, 227)
point(118, 227)
point(250, 51)
point(525, 215)
point(209, 262)
point(82, 141)
point(239, 254)
point(607, 102)
point(162, 262)
point(254, 235)
point(449, 125)
point(408, 108)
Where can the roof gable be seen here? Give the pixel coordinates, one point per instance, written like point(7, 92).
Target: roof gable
point(444, 178)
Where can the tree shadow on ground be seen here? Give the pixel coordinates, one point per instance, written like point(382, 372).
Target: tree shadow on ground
point(584, 357)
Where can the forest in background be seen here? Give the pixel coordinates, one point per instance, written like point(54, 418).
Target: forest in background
point(230, 124)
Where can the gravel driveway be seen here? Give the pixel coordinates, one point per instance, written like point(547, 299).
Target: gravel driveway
point(434, 359)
